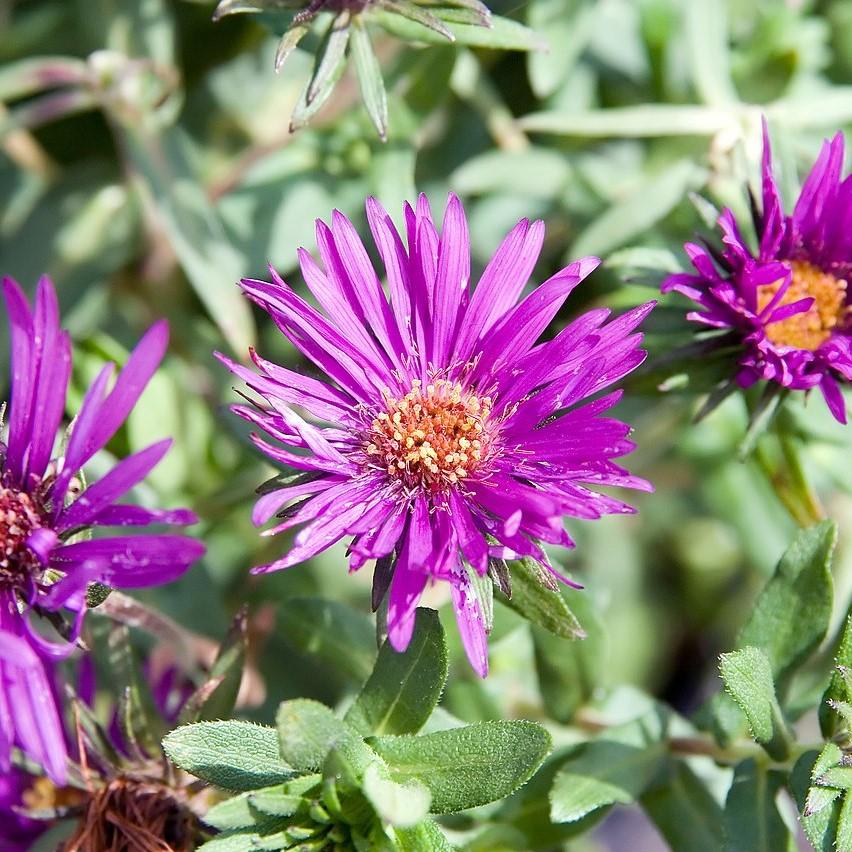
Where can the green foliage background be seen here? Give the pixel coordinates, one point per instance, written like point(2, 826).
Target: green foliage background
point(160, 182)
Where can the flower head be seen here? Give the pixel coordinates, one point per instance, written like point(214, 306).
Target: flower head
point(48, 555)
point(445, 434)
point(789, 301)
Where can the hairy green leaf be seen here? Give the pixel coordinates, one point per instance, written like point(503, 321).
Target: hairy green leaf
point(466, 767)
point(308, 731)
point(820, 822)
point(830, 719)
point(792, 613)
point(616, 768)
point(401, 805)
point(748, 679)
point(247, 809)
point(232, 755)
point(536, 600)
point(404, 688)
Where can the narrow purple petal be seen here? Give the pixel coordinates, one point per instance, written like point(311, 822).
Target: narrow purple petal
point(471, 624)
point(451, 279)
point(24, 362)
point(117, 482)
point(100, 418)
point(410, 576)
point(132, 561)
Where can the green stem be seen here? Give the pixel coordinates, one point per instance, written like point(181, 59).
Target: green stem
point(471, 84)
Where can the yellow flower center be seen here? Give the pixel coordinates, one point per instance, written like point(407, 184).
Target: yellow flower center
point(434, 437)
point(811, 328)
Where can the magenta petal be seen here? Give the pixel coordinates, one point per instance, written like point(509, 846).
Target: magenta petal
point(833, 398)
point(410, 576)
point(471, 625)
point(113, 485)
point(101, 417)
point(132, 561)
point(451, 279)
point(42, 542)
point(23, 361)
point(28, 712)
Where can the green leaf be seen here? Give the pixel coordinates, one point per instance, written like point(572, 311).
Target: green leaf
point(607, 771)
point(369, 77)
point(790, 617)
point(332, 633)
point(233, 755)
point(748, 678)
point(470, 766)
point(752, 820)
point(819, 825)
point(569, 25)
point(404, 688)
point(653, 199)
point(792, 613)
point(830, 720)
point(425, 835)
point(685, 813)
point(329, 65)
point(419, 16)
point(216, 698)
point(289, 42)
point(308, 731)
point(247, 809)
point(138, 719)
point(212, 265)
point(538, 601)
point(707, 49)
point(402, 805)
point(568, 671)
point(843, 840)
point(503, 34)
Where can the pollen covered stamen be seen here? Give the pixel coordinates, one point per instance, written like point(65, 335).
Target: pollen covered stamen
point(434, 437)
point(19, 519)
point(811, 328)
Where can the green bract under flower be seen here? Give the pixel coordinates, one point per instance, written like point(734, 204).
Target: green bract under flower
point(467, 22)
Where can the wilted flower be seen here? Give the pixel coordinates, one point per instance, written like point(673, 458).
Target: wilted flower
point(452, 436)
point(48, 558)
point(788, 302)
point(467, 21)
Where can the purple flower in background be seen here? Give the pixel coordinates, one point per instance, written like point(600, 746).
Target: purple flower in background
point(45, 562)
point(17, 832)
point(448, 435)
point(790, 302)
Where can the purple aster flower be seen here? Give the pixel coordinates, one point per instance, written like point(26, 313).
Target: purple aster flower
point(48, 558)
point(789, 301)
point(446, 435)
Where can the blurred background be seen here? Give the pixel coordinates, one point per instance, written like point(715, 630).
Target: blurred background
point(146, 164)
